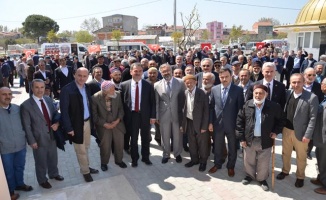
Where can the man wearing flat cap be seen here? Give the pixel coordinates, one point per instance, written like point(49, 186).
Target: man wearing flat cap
point(108, 119)
point(258, 123)
point(236, 72)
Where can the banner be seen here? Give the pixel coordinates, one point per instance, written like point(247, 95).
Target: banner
point(93, 49)
point(29, 52)
point(154, 47)
point(260, 45)
point(56, 48)
point(208, 45)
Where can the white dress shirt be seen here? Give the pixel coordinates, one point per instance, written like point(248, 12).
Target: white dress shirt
point(38, 103)
point(64, 70)
point(133, 93)
point(190, 103)
point(270, 86)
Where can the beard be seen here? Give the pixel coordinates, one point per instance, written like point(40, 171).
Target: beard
point(207, 86)
point(259, 101)
point(167, 77)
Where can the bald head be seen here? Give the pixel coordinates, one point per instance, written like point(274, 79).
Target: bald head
point(5, 96)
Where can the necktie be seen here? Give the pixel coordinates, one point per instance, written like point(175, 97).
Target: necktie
point(224, 95)
point(269, 91)
point(45, 114)
point(168, 89)
point(137, 98)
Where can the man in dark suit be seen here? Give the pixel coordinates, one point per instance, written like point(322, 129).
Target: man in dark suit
point(77, 121)
point(256, 74)
point(196, 110)
point(76, 64)
point(43, 74)
point(227, 100)
point(301, 112)
point(139, 106)
point(319, 70)
point(275, 88)
point(206, 66)
point(38, 112)
point(63, 75)
point(105, 68)
point(95, 83)
point(287, 68)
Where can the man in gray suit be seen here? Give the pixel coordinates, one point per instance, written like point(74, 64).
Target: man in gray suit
point(169, 96)
point(227, 100)
point(37, 113)
point(301, 112)
point(319, 137)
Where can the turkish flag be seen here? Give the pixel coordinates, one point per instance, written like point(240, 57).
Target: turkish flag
point(260, 45)
point(29, 52)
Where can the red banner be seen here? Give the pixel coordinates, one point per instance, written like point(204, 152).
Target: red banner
point(208, 45)
point(154, 47)
point(29, 52)
point(94, 48)
point(260, 45)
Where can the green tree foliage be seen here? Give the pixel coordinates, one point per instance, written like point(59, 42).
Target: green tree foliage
point(24, 41)
point(83, 36)
point(274, 21)
point(9, 42)
point(116, 35)
point(177, 38)
point(205, 35)
point(91, 24)
point(52, 36)
point(36, 26)
point(236, 32)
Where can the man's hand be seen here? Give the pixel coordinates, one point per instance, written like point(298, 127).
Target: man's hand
point(55, 126)
point(34, 146)
point(72, 133)
point(58, 91)
point(203, 131)
point(210, 127)
point(108, 126)
point(305, 140)
point(158, 122)
point(152, 121)
point(244, 144)
point(273, 135)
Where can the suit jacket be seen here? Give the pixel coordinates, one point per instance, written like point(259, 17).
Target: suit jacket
point(147, 104)
point(94, 86)
point(305, 114)
point(225, 117)
point(169, 108)
point(72, 111)
point(102, 116)
point(260, 77)
point(319, 136)
point(61, 80)
point(38, 75)
point(278, 92)
point(34, 123)
point(199, 77)
point(289, 64)
point(316, 89)
point(200, 112)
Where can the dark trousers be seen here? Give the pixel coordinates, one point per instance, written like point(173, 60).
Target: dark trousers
point(157, 132)
point(11, 80)
point(219, 144)
point(199, 144)
point(136, 124)
point(46, 161)
point(321, 161)
point(285, 74)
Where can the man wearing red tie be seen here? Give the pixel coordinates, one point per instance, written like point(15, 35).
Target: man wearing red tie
point(38, 112)
point(139, 106)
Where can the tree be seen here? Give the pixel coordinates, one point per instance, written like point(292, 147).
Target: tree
point(91, 25)
point(176, 36)
point(36, 26)
point(190, 24)
point(117, 35)
point(9, 42)
point(281, 35)
point(83, 36)
point(236, 32)
point(274, 21)
point(52, 36)
point(24, 41)
point(205, 35)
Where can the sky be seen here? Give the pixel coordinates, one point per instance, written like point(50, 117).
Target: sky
point(70, 14)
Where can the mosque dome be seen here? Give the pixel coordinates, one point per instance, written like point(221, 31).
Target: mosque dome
point(313, 13)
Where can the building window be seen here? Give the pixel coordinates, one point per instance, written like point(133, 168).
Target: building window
point(300, 40)
point(307, 36)
point(316, 40)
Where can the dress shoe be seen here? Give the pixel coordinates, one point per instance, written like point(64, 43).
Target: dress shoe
point(121, 164)
point(321, 190)
point(316, 181)
point(46, 185)
point(58, 178)
point(246, 180)
point(309, 156)
point(231, 172)
point(14, 196)
point(25, 188)
point(165, 160)
point(93, 171)
point(88, 177)
point(202, 167)
point(190, 164)
point(147, 162)
point(178, 159)
point(134, 164)
point(299, 183)
point(104, 167)
point(264, 185)
point(213, 169)
point(186, 148)
point(281, 176)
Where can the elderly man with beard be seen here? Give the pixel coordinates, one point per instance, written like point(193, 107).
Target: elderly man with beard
point(108, 119)
point(178, 73)
point(207, 66)
point(257, 136)
point(169, 96)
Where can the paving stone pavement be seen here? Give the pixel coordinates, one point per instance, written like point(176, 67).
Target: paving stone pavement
point(159, 181)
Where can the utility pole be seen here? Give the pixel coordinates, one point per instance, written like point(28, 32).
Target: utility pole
point(175, 24)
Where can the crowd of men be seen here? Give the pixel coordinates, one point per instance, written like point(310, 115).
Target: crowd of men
point(193, 101)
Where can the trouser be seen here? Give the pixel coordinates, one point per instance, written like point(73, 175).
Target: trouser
point(288, 142)
point(82, 149)
point(46, 161)
point(157, 132)
point(14, 166)
point(21, 81)
point(11, 80)
point(285, 74)
point(199, 144)
point(5, 81)
point(256, 160)
point(219, 143)
point(310, 146)
point(114, 138)
point(321, 161)
point(295, 70)
point(136, 124)
point(171, 129)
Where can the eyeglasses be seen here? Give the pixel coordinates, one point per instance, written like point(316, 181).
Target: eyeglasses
point(311, 75)
point(206, 65)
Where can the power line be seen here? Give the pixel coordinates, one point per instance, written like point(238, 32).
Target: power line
point(252, 5)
